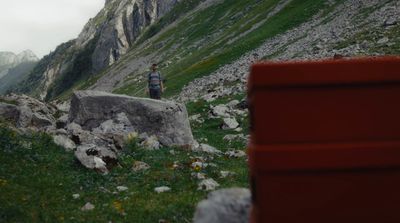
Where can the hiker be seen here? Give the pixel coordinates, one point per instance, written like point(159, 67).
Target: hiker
point(155, 86)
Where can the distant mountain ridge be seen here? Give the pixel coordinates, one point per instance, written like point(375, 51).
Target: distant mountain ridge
point(9, 60)
point(15, 67)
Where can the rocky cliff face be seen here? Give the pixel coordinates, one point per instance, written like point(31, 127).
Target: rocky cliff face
point(123, 27)
point(103, 40)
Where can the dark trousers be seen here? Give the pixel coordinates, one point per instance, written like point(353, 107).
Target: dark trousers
point(155, 93)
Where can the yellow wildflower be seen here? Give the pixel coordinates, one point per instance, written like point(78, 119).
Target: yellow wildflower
point(118, 206)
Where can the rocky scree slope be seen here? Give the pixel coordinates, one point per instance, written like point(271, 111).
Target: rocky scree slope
point(103, 40)
point(352, 28)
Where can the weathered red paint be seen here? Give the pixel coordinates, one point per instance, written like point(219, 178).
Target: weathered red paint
point(325, 141)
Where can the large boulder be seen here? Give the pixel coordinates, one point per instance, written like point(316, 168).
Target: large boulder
point(225, 206)
point(166, 120)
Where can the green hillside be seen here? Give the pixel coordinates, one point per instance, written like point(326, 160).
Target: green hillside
point(209, 38)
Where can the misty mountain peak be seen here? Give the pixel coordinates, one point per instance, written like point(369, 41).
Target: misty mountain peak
point(27, 56)
point(11, 59)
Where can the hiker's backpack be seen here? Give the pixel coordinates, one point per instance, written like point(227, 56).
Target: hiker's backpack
point(155, 80)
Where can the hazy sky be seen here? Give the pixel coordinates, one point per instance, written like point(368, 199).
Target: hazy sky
point(41, 25)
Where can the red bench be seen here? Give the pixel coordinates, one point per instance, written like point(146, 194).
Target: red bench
point(325, 143)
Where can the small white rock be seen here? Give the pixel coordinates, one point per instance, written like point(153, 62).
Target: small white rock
point(240, 112)
point(212, 165)
point(233, 103)
point(99, 163)
point(140, 166)
point(208, 185)
point(235, 153)
point(383, 40)
point(220, 111)
point(75, 196)
point(238, 129)
point(208, 149)
point(87, 207)
point(162, 189)
point(122, 188)
point(230, 138)
point(195, 118)
point(230, 123)
point(175, 165)
point(198, 165)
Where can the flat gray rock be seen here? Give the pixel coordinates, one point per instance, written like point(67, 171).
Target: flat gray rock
point(167, 120)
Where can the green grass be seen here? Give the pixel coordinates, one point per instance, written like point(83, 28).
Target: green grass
point(38, 179)
point(210, 129)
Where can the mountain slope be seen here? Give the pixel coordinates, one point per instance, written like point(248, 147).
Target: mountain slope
point(214, 39)
point(15, 75)
point(7, 60)
point(223, 38)
point(212, 34)
point(351, 28)
point(103, 40)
